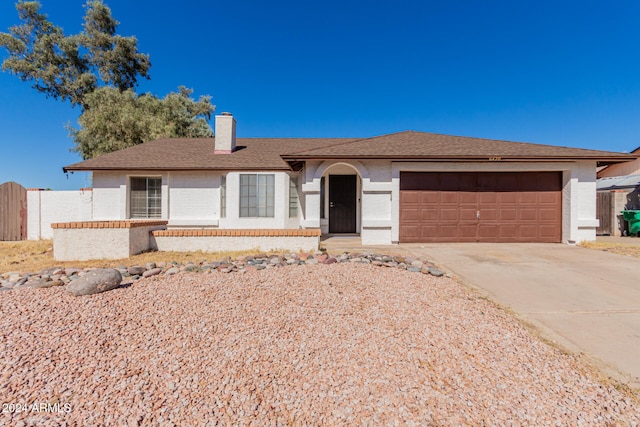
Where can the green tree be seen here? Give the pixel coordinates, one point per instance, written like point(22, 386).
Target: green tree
point(113, 120)
point(97, 70)
point(68, 67)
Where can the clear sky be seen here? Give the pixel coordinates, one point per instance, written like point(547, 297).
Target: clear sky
point(551, 72)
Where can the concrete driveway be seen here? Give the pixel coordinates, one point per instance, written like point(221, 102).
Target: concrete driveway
point(586, 300)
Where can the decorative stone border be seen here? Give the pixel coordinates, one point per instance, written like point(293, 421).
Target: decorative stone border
point(58, 276)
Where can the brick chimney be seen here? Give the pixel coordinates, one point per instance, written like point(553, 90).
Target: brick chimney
point(225, 134)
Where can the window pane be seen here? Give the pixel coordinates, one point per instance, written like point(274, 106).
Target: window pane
point(293, 197)
point(145, 197)
point(247, 195)
point(223, 196)
point(256, 195)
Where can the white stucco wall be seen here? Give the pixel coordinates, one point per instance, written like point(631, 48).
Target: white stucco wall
point(47, 207)
point(281, 200)
point(109, 195)
point(84, 244)
point(579, 197)
point(194, 199)
point(380, 193)
point(374, 196)
point(235, 243)
point(81, 244)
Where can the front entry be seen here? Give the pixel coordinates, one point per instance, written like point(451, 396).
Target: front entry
point(342, 203)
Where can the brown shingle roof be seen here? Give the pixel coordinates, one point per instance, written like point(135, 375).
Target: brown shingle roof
point(272, 153)
point(422, 146)
point(198, 154)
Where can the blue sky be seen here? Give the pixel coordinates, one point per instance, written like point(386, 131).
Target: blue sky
point(551, 72)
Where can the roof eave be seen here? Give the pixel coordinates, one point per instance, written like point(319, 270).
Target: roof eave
point(599, 159)
point(172, 169)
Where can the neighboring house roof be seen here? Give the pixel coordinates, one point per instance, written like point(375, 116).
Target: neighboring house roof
point(272, 153)
point(613, 170)
point(618, 182)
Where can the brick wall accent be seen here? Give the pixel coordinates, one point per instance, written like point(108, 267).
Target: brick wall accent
point(108, 224)
point(309, 232)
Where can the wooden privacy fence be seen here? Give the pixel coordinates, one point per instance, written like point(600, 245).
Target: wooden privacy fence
point(603, 212)
point(13, 212)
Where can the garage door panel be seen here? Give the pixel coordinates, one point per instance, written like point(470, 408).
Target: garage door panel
point(548, 198)
point(528, 214)
point(547, 215)
point(514, 206)
point(470, 198)
point(529, 232)
point(508, 214)
point(429, 215)
point(410, 215)
point(488, 197)
point(507, 197)
point(448, 231)
point(410, 231)
point(547, 232)
point(488, 214)
point(429, 198)
point(467, 231)
point(467, 214)
point(449, 215)
point(508, 232)
point(530, 199)
point(449, 198)
point(410, 197)
point(488, 231)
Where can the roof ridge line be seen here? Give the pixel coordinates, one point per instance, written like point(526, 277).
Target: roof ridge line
point(347, 143)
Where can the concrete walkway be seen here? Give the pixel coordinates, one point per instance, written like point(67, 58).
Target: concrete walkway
point(586, 300)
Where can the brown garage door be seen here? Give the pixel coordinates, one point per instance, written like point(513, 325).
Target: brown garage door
point(480, 207)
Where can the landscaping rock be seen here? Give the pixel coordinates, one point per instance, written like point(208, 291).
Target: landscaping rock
point(152, 272)
point(136, 270)
point(172, 271)
point(57, 276)
point(435, 272)
point(95, 281)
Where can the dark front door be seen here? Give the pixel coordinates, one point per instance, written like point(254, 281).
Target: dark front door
point(342, 203)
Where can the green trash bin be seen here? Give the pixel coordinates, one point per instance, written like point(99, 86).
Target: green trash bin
point(633, 218)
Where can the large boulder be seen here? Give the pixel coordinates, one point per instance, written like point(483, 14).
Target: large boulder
point(95, 281)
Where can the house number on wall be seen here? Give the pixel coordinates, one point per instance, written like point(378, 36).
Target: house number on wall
point(495, 159)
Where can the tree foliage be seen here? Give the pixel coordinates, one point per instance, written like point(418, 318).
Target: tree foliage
point(97, 70)
point(68, 67)
point(114, 120)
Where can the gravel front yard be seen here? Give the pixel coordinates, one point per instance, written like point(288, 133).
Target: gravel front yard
point(345, 344)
